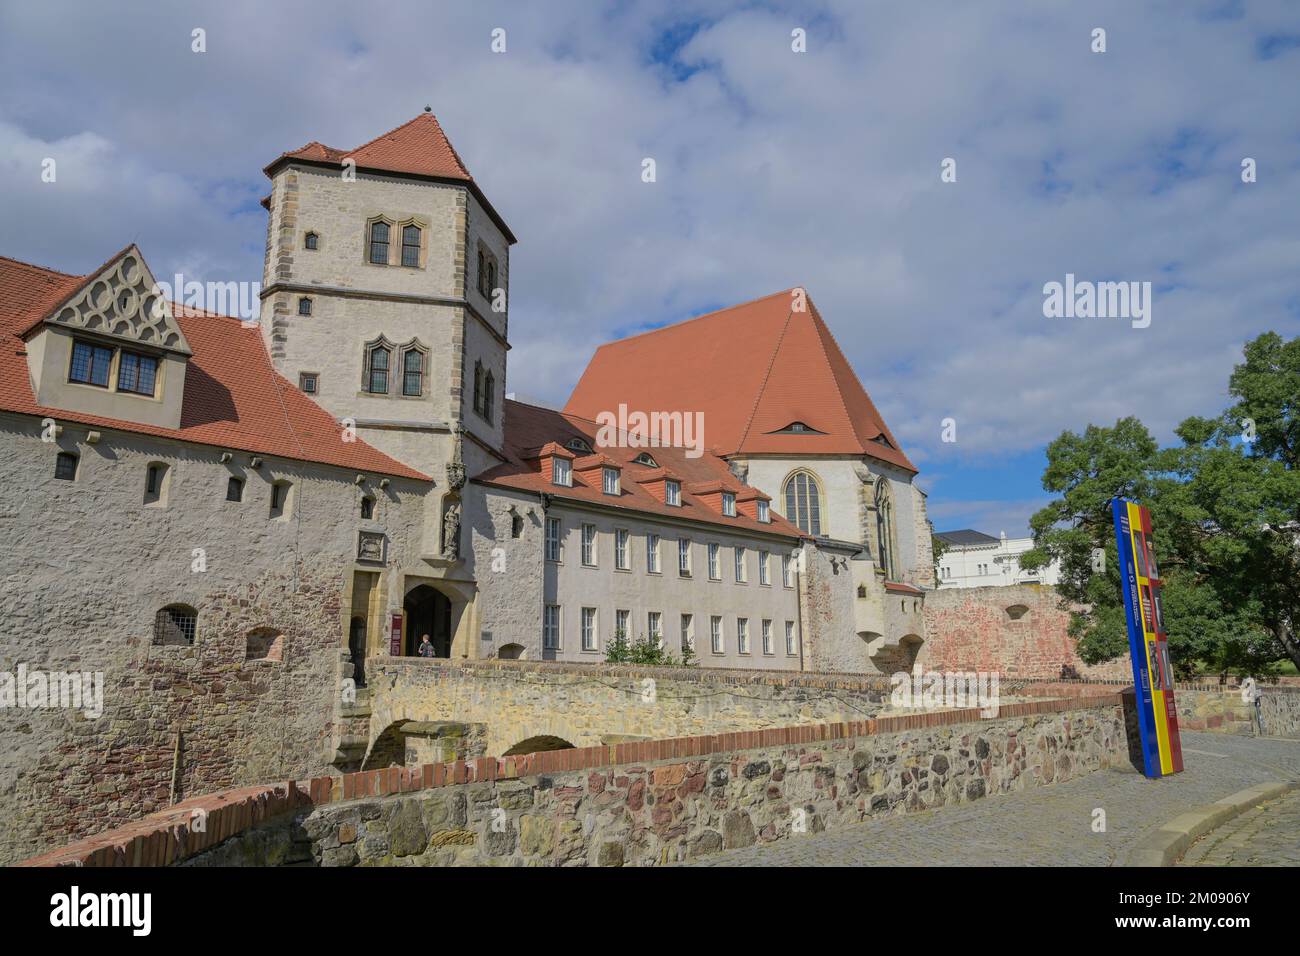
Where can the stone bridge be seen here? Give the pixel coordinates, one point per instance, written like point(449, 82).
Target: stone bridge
point(423, 710)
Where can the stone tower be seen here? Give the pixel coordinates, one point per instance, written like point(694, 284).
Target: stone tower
point(385, 298)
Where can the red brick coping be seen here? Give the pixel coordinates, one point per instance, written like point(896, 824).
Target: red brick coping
point(167, 837)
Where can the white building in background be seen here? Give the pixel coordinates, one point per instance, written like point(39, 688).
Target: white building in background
point(977, 560)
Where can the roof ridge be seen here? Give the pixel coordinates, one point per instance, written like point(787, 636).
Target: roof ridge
point(762, 386)
point(390, 132)
point(696, 318)
point(40, 268)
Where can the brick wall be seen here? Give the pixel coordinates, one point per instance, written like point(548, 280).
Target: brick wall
point(971, 629)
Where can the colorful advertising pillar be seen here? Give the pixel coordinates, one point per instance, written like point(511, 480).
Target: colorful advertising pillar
point(1162, 752)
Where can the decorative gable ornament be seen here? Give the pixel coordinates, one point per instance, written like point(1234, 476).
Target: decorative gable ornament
point(123, 301)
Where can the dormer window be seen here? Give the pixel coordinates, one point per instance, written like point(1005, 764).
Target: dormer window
point(308, 382)
point(304, 306)
point(728, 504)
point(764, 512)
point(673, 493)
point(561, 472)
point(645, 459)
point(90, 364)
point(137, 373)
point(611, 484)
point(797, 428)
point(579, 445)
point(311, 241)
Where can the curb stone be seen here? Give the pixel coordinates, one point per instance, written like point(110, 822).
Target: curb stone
point(1167, 845)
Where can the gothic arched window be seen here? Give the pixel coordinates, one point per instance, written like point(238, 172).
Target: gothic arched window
point(885, 555)
point(413, 369)
point(379, 356)
point(410, 245)
point(379, 243)
point(803, 502)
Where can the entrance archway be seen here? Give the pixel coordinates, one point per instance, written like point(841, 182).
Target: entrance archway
point(538, 744)
point(428, 611)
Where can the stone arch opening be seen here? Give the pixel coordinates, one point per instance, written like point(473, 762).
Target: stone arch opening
point(264, 644)
point(538, 744)
point(1017, 611)
point(428, 611)
point(511, 652)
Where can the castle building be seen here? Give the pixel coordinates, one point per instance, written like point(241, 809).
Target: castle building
point(226, 519)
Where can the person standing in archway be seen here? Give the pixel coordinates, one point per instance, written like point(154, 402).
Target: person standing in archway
point(426, 648)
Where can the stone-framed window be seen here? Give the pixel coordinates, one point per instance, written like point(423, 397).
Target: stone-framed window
point(155, 483)
point(281, 500)
point(91, 364)
point(311, 241)
point(414, 364)
point(175, 624)
point(367, 507)
point(886, 555)
point(234, 489)
point(378, 365)
point(803, 502)
point(378, 235)
point(516, 526)
point(411, 236)
point(487, 272)
point(484, 392)
point(304, 305)
point(137, 374)
point(65, 466)
point(309, 382)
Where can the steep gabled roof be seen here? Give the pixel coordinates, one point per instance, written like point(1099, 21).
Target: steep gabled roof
point(753, 370)
point(233, 398)
point(418, 147)
point(530, 430)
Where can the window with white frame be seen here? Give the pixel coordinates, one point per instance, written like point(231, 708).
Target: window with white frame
point(740, 565)
point(684, 557)
point(551, 627)
point(611, 486)
point(763, 576)
point(589, 545)
point(767, 636)
point(561, 472)
point(742, 634)
point(729, 504)
point(588, 628)
point(715, 568)
point(764, 511)
point(652, 553)
point(655, 627)
point(623, 623)
point(621, 550)
point(787, 570)
point(715, 634)
point(553, 546)
point(789, 638)
point(688, 631)
point(673, 493)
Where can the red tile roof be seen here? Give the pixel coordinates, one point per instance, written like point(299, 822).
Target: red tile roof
point(418, 147)
point(753, 370)
point(529, 427)
point(233, 398)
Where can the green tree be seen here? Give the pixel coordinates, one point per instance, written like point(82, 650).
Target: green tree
point(1225, 510)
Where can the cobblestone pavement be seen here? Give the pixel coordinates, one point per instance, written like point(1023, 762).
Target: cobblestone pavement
point(1046, 826)
point(1268, 835)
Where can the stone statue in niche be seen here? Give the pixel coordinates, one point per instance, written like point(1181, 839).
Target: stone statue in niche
point(451, 531)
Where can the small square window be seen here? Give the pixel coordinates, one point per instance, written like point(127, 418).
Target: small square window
point(311, 241)
point(65, 466)
point(308, 383)
point(235, 489)
point(304, 306)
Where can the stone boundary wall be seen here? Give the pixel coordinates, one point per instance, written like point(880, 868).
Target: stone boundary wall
point(1211, 707)
point(230, 817)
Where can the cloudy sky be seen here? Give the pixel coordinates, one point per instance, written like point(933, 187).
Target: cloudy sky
point(775, 169)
